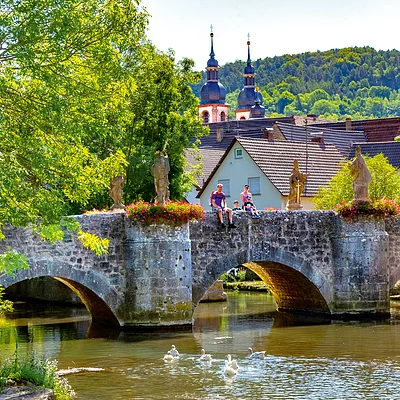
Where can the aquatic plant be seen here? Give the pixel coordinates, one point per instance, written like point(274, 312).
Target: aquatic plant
point(170, 213)
point(378, 207)
point(38, 371)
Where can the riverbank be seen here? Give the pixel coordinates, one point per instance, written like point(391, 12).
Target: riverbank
point(255, 286)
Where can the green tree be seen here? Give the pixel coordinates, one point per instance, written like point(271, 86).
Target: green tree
point(321, 107)
point(82, 92)
point(63, 86)
point(164, 111)
point(385, 184)
point(284, 99)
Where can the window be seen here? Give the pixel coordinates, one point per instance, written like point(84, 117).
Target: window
point(222, 116)
point(254, 184)
point(227, 187)
point(206, 117)
point(238, 153)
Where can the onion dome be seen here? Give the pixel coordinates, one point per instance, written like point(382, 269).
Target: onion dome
point(248, 95)
point(212, 92)
point(257, 111)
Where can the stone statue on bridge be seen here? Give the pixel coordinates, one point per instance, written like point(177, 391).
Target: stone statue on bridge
point(361, 177)
point(160, 170)
point(297, 183)
point(116, 192)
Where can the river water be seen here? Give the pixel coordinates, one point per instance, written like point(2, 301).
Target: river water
point(340, 360)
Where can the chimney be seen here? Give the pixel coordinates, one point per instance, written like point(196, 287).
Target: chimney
point(269, 134)
point(348, 124)
point(220, 134)
point(317, 137)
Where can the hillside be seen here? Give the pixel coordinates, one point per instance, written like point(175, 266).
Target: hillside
point(359, 82)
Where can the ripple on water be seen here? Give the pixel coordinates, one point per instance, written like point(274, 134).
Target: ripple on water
point(329, 362)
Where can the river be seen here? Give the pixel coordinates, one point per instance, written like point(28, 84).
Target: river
point(341, 360)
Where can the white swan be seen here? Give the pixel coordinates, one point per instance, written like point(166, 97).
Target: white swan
point(258, 354)
point(232, 363)
point(204, 356)
point(229, 371)
point(168, 357)
point(174, 352)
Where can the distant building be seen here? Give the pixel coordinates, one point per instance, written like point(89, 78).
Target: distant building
point(213, 107)
point(376, 130)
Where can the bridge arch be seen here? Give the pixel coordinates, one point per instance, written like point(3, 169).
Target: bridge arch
point(92, 288)
point(296, 284)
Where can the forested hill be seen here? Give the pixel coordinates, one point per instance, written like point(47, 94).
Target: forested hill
point(358, 81)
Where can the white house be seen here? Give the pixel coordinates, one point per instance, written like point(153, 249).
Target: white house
point(266, 166)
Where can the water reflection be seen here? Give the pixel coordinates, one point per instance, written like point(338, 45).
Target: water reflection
point(340, 360)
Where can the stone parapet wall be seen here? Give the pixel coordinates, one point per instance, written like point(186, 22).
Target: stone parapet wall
point(392, 227)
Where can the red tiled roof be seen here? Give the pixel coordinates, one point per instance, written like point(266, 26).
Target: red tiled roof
point(377, 130)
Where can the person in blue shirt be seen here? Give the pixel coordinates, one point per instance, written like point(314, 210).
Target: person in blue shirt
point(250, 207)
point(218, 204)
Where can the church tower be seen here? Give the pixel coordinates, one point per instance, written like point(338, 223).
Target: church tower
point(213, 107)
point(248, 96)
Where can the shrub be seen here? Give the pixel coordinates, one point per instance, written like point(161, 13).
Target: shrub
point(39, 371)
point(378, 207)
point(171, 213)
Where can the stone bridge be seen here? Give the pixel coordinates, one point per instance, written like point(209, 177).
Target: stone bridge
point(313, 262)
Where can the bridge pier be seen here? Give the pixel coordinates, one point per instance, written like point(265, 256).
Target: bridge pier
point(158, 276)
point(361, 268)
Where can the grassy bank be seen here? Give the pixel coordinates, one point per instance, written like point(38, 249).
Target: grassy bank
point(37, 371)
point(257, 286)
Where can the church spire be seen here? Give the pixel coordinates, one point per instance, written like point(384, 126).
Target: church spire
point(248, 49)
point(249, 100)
point(249, 73)
point(213, 107)
point(212, 55)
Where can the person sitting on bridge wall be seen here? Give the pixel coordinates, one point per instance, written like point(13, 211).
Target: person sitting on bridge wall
point(244, 194)
point(218, 203)
point(250, 207)
point(236, 206)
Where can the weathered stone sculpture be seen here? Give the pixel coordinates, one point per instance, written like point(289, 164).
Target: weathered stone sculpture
point(297, 182)
point(160, 170)
point(116, 193)
point(361, 177)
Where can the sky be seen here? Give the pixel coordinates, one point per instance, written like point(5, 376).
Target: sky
point(276, 27)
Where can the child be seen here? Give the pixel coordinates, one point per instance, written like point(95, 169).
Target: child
point(236, 206)
point(250, 207)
